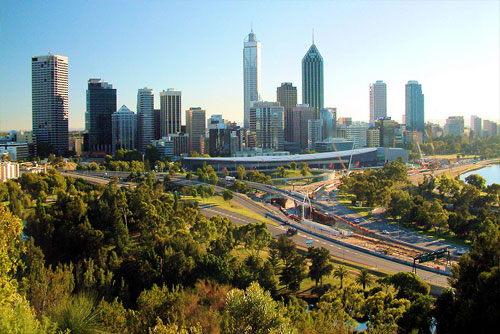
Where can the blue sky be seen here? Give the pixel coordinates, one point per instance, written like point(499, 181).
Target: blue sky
point(450, 47)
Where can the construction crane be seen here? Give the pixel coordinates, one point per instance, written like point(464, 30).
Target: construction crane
point(338, 154)
point(436, 161)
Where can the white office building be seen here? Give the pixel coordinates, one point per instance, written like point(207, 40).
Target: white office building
point(267, 125)
point(145, 117)
point(476, 126)
point(124, 129)
point(49, 92)
point(170, 112)
point(251, 75)
point(357, 134)
point(378, 100)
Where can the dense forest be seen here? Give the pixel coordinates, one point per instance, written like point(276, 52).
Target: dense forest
point(81, 258)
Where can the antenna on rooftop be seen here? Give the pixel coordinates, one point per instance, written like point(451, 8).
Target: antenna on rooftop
point(313, 35)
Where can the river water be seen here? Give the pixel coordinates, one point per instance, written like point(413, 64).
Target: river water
point(490, 173)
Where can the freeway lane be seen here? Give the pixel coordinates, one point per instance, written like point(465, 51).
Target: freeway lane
point(335, 250)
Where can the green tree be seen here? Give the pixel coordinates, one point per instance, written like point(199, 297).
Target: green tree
point(79, 315)
point(16, 314)
point(477, 181)
point(341, 272)
point(364, 278)
point(253, 311)
point(227, 195)
point(304, 169)
point(320, 263)
point(473, 304)
point(255, 236)
point(281, 171)
point(241, 172)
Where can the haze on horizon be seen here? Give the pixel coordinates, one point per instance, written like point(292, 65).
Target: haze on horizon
point(451, 47)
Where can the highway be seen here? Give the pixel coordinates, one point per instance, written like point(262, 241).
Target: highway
point(378, 225)
point(336, 251)
point(300, 239)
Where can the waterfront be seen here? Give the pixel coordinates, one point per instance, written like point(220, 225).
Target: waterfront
point(490, 173)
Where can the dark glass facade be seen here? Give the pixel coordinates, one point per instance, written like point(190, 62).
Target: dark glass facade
point(101, 104)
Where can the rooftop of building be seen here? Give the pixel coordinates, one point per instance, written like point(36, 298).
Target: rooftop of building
point(287, 158)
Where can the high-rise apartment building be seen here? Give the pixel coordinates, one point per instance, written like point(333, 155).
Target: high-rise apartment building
point(373, 137)
point(378, 100)
point(328, 117)
point(267, 125)
point(454, 126)
point(301, 114)
point(489, 128)
point(101, 104)
point(49, 92)
point(414, 107)
point(195, 128)
point(286, 95)
point(476, 126)
point(170, 112)
point(124, 129)
point(388, 131)
point(312, 78)
point(251, 75)
point(314, 132)
point(145, 118)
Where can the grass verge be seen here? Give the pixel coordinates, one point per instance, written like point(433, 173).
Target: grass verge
point(232, 206)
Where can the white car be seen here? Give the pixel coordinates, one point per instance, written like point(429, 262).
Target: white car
point(385, 232)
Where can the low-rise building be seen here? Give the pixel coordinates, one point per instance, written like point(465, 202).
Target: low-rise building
point(16, 151)
point(9, 170)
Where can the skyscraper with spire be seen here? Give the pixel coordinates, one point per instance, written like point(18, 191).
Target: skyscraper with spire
point(312, 78)
point(251, 74)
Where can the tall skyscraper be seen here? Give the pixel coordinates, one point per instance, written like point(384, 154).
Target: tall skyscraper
point(145, 117)
point(378, 100)
point(101, 104)
point(195, 128)
point(312, 78)
point(328, 117)
point(476, 126)
point(286, 95)
point(266, 125)
point(301, 114)
point(49, 92)
point(124, 129)
point(170, 112)
point(414, 110)
point(251, 75)
point(157, 114)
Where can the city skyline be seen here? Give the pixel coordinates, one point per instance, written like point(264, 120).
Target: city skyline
point(468, 52)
